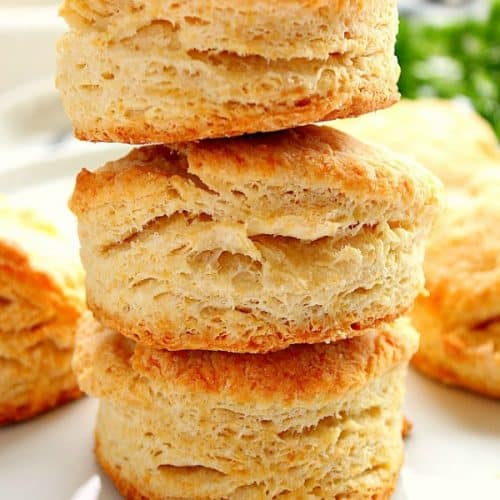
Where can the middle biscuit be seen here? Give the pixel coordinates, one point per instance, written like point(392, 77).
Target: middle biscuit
point(255, 243)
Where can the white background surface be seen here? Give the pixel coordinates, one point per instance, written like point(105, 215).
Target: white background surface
point(452, 453)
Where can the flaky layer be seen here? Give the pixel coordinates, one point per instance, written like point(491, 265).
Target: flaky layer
point(256, 243)
point(131, 492)
point(41, 299)
point(296, 28)
point(189, 284)
point(323, 419)
point(353, 452)
point(35, 362)
point(153, 75)
point(445, 136)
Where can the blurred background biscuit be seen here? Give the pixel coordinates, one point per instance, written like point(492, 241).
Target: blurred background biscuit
point(252, 244)
point(41, 299)
point(445, 136)
point(169, 71)
point(460, 320)
point(322, 420)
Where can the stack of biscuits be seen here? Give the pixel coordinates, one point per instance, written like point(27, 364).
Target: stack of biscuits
point(246, 292)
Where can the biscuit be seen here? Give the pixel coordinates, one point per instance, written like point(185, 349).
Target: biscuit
point(41, 299)
point(169, 71)
point(312, 420)
point(252, 244)
point(445, 136)
point(460, 320)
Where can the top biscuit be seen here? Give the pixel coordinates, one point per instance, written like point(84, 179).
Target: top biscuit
point(447, 137)
point(169, 71)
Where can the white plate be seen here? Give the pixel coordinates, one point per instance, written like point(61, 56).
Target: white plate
point(453, 451)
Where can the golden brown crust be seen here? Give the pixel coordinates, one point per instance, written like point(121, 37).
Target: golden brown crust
point(33, 250)
point(453, 378)
point(309, 157)
point(302, 372)
point(243, 121)
point(459, 355)
point(459, 321)
point(446, 375)
point(10, 413)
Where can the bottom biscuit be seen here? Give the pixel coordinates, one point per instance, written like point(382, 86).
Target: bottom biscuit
point(130, 492)
point(357, 460)
point(311, 421)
